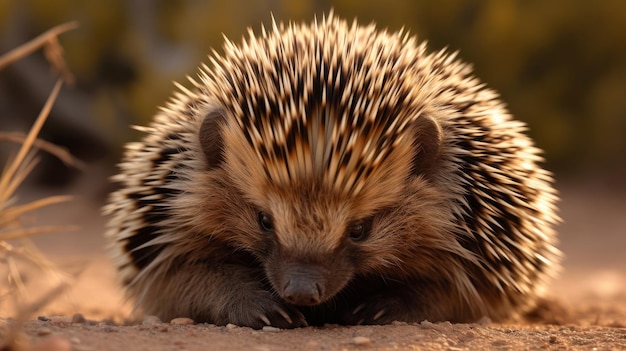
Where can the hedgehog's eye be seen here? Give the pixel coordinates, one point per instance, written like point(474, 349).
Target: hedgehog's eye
point(359, 230)
point(265, 222)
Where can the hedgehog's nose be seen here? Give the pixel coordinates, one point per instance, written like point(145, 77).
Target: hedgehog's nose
point(304, 285)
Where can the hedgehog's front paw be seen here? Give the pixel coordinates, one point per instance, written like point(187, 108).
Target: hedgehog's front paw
point(378, 309)
point(262, 309)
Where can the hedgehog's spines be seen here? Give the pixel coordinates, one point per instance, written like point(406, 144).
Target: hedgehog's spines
point(322, 126)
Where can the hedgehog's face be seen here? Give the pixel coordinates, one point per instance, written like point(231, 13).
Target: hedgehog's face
point(311, 244)
point(314, 221)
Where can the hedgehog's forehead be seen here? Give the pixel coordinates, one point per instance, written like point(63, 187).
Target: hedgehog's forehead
point(323, 102)
point(323, 148)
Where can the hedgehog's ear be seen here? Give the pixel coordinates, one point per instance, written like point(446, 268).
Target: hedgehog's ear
point(211, 137)
point(428, 142)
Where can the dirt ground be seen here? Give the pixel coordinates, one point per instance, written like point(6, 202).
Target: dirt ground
point(585, 310)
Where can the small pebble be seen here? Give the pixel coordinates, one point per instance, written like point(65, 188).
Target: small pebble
point(182, 321)
point(269, 328)
point(78, 318)
point(552, 339)
point(230, 326)
point(484, 320)
point(151, 320)
point(399, 323)
point(43, 318)
point(44, 331)
point(361, 341)
point(426, 324)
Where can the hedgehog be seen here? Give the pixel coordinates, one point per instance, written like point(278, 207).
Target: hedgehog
point(333, 172)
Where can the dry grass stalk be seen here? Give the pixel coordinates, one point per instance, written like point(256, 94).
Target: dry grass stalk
point(12, 176)
point(59, 152)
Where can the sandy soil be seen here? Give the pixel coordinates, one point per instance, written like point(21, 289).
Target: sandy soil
point(586, 308)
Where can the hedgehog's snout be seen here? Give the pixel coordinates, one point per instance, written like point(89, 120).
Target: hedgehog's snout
point(303, 285)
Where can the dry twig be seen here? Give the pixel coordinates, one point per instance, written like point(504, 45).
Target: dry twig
point(53, 50)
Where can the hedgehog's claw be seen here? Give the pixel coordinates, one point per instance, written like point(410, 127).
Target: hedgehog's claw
point(265, 319)
point(358, 309)
point(285, 315)
point(379, 314)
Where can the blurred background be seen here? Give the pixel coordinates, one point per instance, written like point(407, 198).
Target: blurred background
point(559, 65)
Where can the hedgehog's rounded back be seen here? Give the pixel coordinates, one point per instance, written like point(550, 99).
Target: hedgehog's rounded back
point(337, 166)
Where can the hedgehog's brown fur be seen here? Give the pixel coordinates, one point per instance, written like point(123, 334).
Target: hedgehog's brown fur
point(333, 173)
